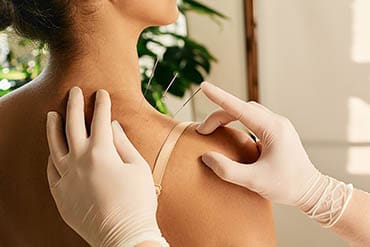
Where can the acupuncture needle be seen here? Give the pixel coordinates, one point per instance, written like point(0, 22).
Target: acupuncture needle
point(151, 76)
point(187, 101)
point(170, 85)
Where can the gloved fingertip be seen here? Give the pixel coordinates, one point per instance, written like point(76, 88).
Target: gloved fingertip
point(101, 92)
point(52, 115)
point(208, 158)
point(117, 126)
point(75, 92)
point(204, 158)
point(204, 84)
point(200, 129)
point(205, 129)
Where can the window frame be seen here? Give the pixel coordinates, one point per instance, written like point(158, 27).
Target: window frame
point(251, 51)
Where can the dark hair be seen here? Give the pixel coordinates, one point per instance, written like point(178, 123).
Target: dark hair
point(6, 13)
point(47, 21)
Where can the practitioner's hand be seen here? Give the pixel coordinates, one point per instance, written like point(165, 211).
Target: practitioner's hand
point(283, 173)
point(102, 186)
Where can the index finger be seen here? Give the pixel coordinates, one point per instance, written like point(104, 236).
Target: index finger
point(253, 117)
point(57, 144)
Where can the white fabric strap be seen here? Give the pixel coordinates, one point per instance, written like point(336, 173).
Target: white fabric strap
point(165, 154)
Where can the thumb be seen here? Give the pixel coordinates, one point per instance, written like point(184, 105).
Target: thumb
point(124, 147)
point(52, 173)
point(231, 171)
point(215, 120)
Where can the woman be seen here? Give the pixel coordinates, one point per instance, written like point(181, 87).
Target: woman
point(93, 45)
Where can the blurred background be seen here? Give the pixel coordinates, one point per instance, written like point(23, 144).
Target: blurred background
point(313, 67)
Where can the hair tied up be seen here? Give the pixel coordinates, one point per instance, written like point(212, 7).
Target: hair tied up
point(6, 13)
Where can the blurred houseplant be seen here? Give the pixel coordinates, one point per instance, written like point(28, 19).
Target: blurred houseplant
point(176, 52)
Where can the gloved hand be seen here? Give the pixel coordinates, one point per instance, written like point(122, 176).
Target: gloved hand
point(102, 187)
point(283, 173)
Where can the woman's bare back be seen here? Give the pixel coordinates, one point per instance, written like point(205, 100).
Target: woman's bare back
point(195, 207)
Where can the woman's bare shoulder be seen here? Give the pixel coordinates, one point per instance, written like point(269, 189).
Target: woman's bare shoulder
point(236, 144)
point(17, 98)
point(199, 200)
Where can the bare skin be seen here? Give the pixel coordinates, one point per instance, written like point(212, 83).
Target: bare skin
point(355, 223)
point(195, 207)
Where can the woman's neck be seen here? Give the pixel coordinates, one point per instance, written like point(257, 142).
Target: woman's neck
point(107, 60)
point(110, 64)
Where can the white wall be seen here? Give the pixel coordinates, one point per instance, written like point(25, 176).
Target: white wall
point(226, 42)
point(314, 68)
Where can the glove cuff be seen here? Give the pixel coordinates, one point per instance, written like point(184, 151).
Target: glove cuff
point(130, 231)
point(145, 237)
point(326, 200)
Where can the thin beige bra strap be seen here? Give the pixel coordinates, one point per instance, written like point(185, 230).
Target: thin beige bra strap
point(165, 154)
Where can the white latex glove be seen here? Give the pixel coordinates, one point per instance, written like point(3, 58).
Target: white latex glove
point(283, 173)
point(102, 187)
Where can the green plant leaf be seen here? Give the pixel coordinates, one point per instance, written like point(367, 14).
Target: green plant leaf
point(196, 6)
point(13, 75)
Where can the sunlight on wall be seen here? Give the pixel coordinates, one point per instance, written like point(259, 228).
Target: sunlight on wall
point(358, 134)
point(361, 31)
point(359, 120)
point(358, 161)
